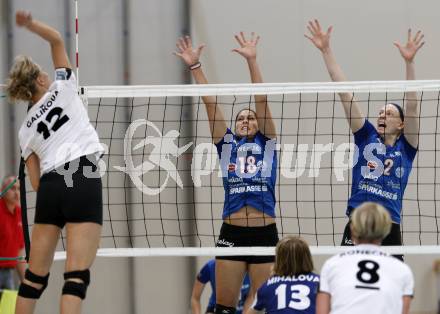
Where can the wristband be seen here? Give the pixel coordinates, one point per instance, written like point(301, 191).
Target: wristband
point(195, 66)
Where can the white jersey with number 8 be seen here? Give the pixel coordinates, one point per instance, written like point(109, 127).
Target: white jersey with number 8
point(57, 128)
point(366, 280)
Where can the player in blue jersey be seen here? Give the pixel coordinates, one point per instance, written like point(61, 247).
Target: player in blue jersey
point(207, 274)
point(293, 286)
point(248, 162)
point(385, 152)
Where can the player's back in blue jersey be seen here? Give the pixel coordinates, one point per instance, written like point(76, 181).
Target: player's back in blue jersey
point(207, 274)
point(288, 295)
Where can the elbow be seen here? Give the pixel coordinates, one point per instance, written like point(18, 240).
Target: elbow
point(56, 39)
point(35, 184)
point(195, 302)
point(334, 77)
point(36, 187)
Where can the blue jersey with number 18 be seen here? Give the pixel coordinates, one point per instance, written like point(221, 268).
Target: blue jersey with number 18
point(249, 170)
point(288, 294)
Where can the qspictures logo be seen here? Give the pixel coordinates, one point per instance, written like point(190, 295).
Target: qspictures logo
point(163, 151)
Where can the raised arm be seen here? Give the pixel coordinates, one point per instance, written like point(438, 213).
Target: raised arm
point(248, 49)
point(408, 52)
point(51, 35)
point(191, 56)
point(321, 40)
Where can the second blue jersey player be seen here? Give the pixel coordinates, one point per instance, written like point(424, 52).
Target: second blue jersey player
point(385, 153)
point(248, 161)
point(207, 274)
point(293, 286)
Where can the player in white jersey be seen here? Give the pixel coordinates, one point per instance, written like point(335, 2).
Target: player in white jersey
point(365, 279)
point(61, 149)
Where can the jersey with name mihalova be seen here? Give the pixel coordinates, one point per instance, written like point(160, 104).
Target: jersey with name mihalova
point(57, 128)
point(249, 172)
point(288, 294)
point(381, 172)
point(365, 280)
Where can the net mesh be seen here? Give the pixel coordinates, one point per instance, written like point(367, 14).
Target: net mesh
point(173, 196)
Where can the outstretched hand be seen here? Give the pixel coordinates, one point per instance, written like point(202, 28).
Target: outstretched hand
point(186, 51)
point(23, 18)
point(413, 45)
point(248, 48)
point(318, 37)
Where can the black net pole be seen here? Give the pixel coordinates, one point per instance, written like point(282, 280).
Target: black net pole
point(24, 219)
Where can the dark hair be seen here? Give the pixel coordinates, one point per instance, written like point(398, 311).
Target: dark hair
point(248, 109)
point(399, 108)
point(293, 257)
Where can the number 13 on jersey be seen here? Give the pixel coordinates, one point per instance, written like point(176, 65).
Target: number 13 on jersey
point(297, 297)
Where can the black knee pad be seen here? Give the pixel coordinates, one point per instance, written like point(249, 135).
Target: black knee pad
point(29, 292)
point(221, 309)
point(76, 288)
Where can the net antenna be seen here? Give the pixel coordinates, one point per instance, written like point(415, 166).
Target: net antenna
point(81, 91)
point(77, 43)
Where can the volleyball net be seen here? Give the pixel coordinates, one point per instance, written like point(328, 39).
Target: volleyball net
point(162, 183)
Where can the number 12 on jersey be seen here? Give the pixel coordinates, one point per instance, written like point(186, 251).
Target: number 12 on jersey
point(60, 120)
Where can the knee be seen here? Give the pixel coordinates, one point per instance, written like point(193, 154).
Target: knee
point(76, 283)
point(29, 291)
